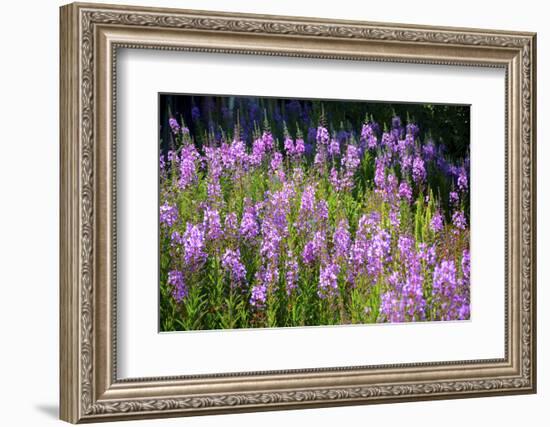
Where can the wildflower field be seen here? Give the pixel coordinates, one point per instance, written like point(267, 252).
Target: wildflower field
point(280, 212)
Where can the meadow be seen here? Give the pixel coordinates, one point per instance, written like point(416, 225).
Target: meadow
point(306, 216)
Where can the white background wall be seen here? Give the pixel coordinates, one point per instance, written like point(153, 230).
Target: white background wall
point(29, 171)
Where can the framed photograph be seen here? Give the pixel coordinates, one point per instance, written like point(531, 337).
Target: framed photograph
point(267, 212)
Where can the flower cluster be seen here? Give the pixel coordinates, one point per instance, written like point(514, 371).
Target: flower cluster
point(332, 228)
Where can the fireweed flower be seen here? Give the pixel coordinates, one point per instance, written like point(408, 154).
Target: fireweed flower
point(368, 136)
point(334, 180)
point(453, 198)
point(396, 122)
point(176, 239)
point(249, 224)
point(313, 250)
point(174, 125)
point(168, 214)
point(328, 280)
point(291, 267)
point(322, 136)
point(289, 146)
point(459, 220)
point(341, 240)
point(172, 156)
point(214, 190)
point(427, 253)
point(418, 170)
point(300, 147)
point(351, 160)
point(466, 265)
point(462, 180)
point(413, 130)
point(395, 217)
point(307, 208)
point(258, 152)
point(404, 301)
point(436, 224)
point(258, 295)
point(267, 140)
point(334, 148)
point(230, 225)
point(271, 241)
point(179, 289)
point(321, 211)
point(448, 298)
point(406, 162)
point(193, 242)
point(405, 191)
point(212, 224)
point(188, 168)
point(379, 174)
point(429, 151)
point(276, 161)
point(231, 262)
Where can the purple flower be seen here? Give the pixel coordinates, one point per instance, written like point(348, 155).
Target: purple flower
point(413, 129)
point(291, 266)
point(276, 161)
point(429, 151)
point(427, 253)
point(462, 180)
point(249, 224)
point(174, 125)
point(258, 295)
point(289, 146)
point(341, 240)
point(351, 159)
point(212, 224)
point(450, 300)
point(267, 140)
point(300, 147)
point(328, 280)
point(380, 173)
point(396, 122)
point(453, 198)
point(176, 239)
point(368, 136)
point(179, 289)
point(459, 220)
point(404, 300)
point(258, 152)
point(168, 214)
point(436, 224)
point(231, 262)
point(405, 191)
point(418, 170)
point(322, 211)
point(193, 242)
point(230, 225)
point(188, 169)
point(466, 263)
point(395, 217)
point(334, 148)
point(314, 248)
point(322, 135)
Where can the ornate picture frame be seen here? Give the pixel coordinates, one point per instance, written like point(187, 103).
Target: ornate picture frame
point(90, 37)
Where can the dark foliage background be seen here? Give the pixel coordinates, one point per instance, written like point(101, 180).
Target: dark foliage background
point(206, 116)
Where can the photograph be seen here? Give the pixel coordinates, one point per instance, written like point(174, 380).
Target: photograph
point(283, 212)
